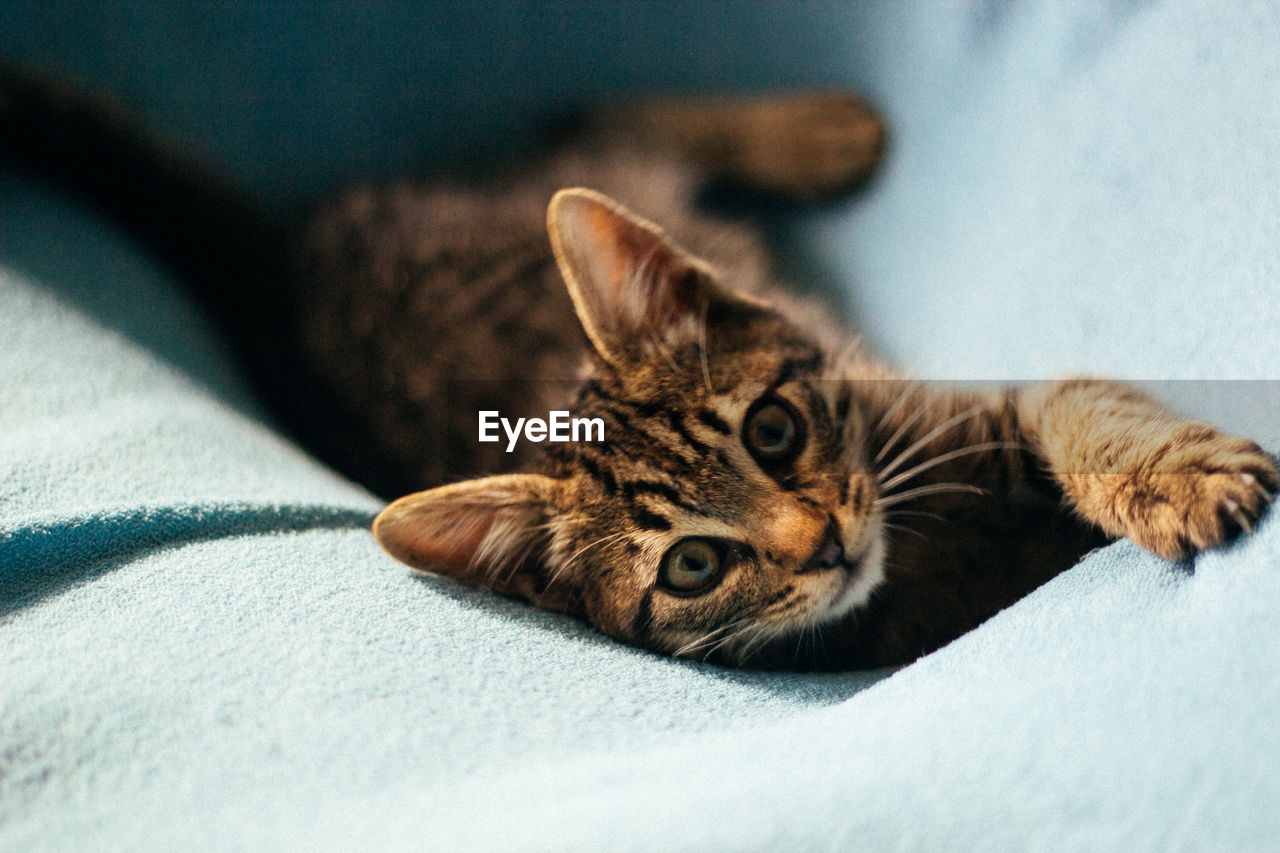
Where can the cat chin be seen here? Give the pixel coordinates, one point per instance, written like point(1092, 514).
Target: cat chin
point(860, 584)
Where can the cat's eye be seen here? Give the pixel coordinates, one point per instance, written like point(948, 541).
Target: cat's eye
point(772, 431)
point(692, 565)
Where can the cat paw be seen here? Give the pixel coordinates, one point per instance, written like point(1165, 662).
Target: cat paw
point(1197, 496)
point(808, 146)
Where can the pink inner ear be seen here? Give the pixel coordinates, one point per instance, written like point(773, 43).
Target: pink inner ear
point(640, 258)
point(629, 246)
point(426, 547)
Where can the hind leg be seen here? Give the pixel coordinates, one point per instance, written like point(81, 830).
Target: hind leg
point(806, 146)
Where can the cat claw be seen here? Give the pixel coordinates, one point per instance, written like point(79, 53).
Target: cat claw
point(1250, 480)
point(1234, 510)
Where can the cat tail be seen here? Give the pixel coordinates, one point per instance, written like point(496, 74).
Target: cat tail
point(219, 240)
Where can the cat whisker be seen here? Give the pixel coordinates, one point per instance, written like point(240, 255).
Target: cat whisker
point(727, 640)
point(576, 554)
point(904, 529)
point(710, 636)
point(748, 624)
point(764, 635)
point(814, 628)
point(936, 432)
point(947, 457)
point(920, 512)
point(899, 433)
point(890, 412)
point(746, 650)
point(706, 654)
point(817, 643)
point(808, 630)
point(921, 491)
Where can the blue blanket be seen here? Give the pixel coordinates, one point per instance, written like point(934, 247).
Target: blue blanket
point(201, 646)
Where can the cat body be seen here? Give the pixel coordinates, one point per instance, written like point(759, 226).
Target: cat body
point(425, 305)
point(766, 492)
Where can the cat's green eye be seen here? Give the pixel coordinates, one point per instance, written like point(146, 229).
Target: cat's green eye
point(692, 565)
point(772, 431)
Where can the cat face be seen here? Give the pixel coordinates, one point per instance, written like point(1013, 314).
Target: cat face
point(732, 500)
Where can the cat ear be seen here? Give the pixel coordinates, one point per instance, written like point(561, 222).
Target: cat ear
point(631, 285)
point(490, 532)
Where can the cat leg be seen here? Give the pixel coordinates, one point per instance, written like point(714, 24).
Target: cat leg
point(1172, 485)
point(807, 146)
point(1122, 461)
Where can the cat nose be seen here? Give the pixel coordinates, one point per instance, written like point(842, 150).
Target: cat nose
point(828, 554)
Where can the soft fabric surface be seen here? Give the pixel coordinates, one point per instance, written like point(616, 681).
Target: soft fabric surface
point(202, 646)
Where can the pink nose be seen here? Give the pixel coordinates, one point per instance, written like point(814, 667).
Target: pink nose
point(829, 554)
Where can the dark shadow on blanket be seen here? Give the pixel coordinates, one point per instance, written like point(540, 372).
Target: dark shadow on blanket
point(43, 559)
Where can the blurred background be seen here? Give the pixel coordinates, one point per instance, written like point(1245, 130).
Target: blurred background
point(1070, 187)
point(295, 97)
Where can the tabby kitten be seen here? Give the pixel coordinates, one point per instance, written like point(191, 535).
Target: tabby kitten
point(767, 492)
point(752, 494)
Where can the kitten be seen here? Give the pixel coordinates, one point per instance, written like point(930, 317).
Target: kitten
point(764, 477)
point(767, 492)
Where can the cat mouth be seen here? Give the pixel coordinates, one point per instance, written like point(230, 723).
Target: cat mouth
point(864, 571)
point(861, 569)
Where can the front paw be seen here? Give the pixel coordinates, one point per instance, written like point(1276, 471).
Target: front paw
point(1195, 495)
